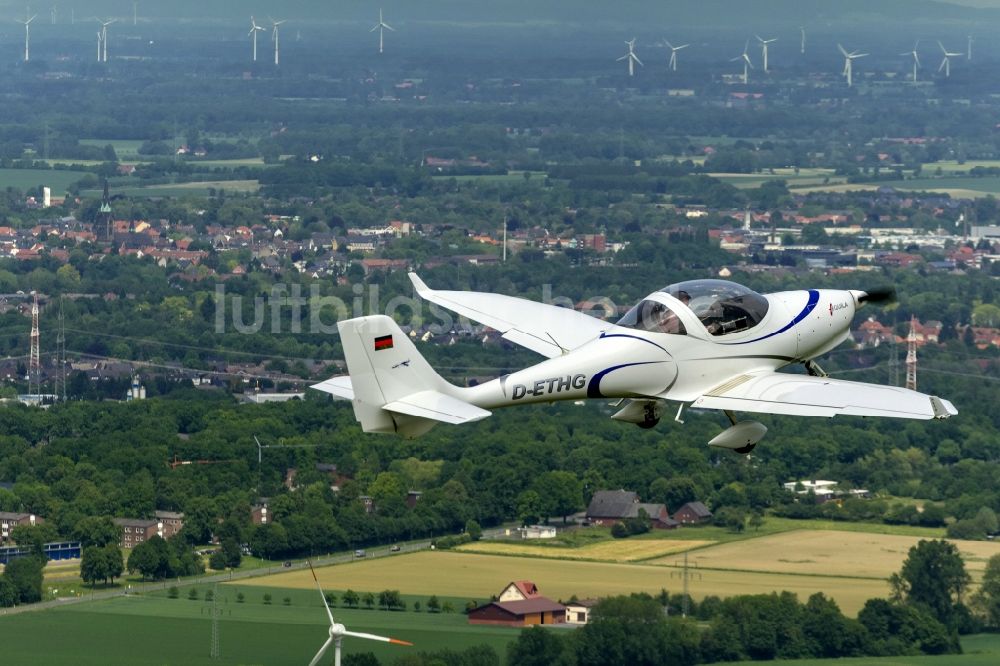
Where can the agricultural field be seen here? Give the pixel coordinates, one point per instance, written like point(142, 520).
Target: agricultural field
point(826, 553)
point(23, 179)
point(125, 149)
point(443, 572)
point(796, 181)
point(250, 632)
point(195, 188)
point(618, 550)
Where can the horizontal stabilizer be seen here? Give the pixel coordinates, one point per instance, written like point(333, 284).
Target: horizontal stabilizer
point(340, 387)
point(437, 406)
point(803, 395)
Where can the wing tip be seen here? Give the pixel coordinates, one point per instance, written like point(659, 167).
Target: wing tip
point(419, 284)
point(942, 408)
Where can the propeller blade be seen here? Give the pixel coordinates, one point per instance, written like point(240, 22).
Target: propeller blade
point(319, 655)
point(329, 614)
point(878, 295)
point(373, 637)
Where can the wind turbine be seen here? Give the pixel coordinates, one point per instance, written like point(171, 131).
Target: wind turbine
point(99, 46)
point(848, 66)
point(53, 13)
point(747, 65)
point(27, 35)
point(381, 26)
point(673, 53)
point(916, 60)
point(763, 48)
point(104, 37)
point(631, 57)
point(968, 49)
point(254, 29)
point(135, 13)
point(802, 43)
point(274, 36)
point(946, 63)
point(338, 631)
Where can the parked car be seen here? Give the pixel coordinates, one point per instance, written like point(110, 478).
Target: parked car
point(359, 553)
point(395, 548)
point(287, 563)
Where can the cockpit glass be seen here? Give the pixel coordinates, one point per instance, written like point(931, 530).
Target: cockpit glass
point(723, 307)
point(653, 316)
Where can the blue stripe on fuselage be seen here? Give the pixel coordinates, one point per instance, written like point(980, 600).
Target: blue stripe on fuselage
point(594, 387)
point(810, 306)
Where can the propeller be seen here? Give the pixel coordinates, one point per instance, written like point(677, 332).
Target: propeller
point(878, 296)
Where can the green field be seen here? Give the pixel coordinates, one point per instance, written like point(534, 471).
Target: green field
point(151, 630)
point(195, 189)
point(23, 179)
point(125, 149)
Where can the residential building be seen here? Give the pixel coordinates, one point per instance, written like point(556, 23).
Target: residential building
point(170, 523)
point(519, 613)
point(10, 520)
point(608, 507)
point(136, 531)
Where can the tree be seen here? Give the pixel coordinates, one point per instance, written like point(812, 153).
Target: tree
point(433, 605)
point(25, 574)
point(350, 598)
point(986, 600)
point(93, 566)
point(368, 599)
point(8, 593)
point(529, 507)
point(97, 531)
point(561, 493)
point(934, 576)
point(536, 647)
point(473, 529)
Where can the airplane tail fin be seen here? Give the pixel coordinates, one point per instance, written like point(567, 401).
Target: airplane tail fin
point(392, 387)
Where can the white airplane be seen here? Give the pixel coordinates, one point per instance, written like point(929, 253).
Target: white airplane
point(707, 344)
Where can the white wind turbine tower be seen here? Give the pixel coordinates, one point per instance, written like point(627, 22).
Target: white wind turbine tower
point(381, 27)
point(104, 37)
point(631, 57)
point(848, 63)
point(763, 49)
point(274, 36)
point(53, 13)
point(673, 53)
point(747, 65)
point(916, 60)
point(27, 35)
point(338, 631)
point(802, 43)
point(254, 29)
point(946, 63)
point(99, 40)
point(968, 48)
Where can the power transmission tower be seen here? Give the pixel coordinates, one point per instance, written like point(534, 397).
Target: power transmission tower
point(893, 357)
point(911, 356)
point(61, 356)
point(216, 648)
point(686, 576)
point(34, 363)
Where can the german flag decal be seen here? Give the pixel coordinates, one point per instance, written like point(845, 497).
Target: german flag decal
point(383, 342)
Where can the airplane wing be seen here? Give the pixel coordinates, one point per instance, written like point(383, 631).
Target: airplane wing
point(546, 329)
point(804, 395)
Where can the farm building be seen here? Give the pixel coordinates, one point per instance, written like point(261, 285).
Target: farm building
point(578, 612)
point(692, 512)
point(608, 507)
point(537, 532)
point(524, 613)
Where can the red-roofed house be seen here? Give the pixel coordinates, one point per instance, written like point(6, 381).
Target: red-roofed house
point(519, 590)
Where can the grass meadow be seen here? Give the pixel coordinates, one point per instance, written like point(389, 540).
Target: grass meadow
point(24, 179)
point(626, 550)
point(155, 630)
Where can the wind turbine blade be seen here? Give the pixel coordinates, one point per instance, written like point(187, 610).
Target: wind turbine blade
point(389, 27)
point(943, 50)
point(916, 58)
point(374, 29)
point(319, 587)
point(842, 50)
point(373, 637)
point(637, 59)
point(943, 63)
point(319, 655)
point(683, 47)
point(669, 45)
point(624, 57)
